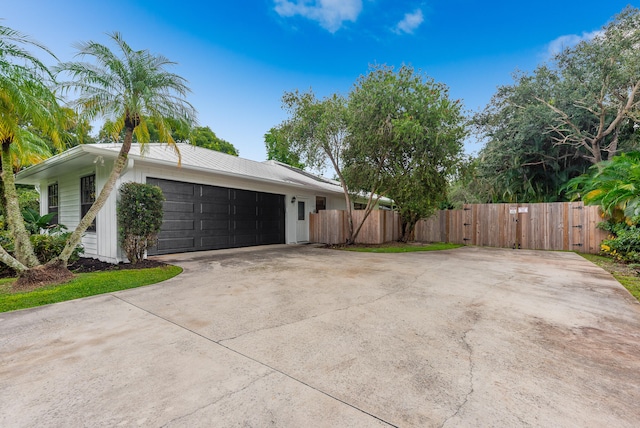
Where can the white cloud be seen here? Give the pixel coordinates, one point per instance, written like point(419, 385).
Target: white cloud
point(330, 14)
point(410, 22)
point(568, 41)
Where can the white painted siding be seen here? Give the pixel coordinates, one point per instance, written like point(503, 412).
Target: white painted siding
point(69, 208)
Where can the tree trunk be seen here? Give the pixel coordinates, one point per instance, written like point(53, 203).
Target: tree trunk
point(10, 261)
point(408, 229)
point(23, 249)
point(76, 236)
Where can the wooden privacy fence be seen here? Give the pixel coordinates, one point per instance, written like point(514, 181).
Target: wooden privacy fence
point(331, 227)
point(543, 226)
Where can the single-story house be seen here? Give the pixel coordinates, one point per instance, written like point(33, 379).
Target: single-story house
point(213, 200)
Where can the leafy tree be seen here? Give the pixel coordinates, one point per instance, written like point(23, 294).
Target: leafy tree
point(552, 125)
point(278, 148)
point(317, 130)
point(206, 138)
point(520, 162)
point(139, 218)
point(132, 89)
point(25, 99)
point(601, 78)
point(405, 137)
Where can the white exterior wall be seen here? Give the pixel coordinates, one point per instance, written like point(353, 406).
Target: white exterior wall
point(103, 244)
point(69, 205)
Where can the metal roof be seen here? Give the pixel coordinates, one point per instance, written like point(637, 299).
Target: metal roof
point(193, 158)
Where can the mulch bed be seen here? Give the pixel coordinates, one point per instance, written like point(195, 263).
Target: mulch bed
point(84, 265)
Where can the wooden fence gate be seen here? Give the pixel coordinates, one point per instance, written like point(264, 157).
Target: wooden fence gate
point(543, 226)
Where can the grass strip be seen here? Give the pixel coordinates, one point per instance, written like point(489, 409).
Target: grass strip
point(84, 285)
point(621, 272)
point(403, 248)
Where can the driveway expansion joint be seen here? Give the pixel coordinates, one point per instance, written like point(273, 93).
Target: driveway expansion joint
point(227, 395)
point(256, 361)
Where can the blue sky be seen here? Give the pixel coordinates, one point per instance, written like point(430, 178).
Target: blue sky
point(240, 56)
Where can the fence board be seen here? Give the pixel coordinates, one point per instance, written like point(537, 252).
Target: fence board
point(544, 226)
point(331, 227)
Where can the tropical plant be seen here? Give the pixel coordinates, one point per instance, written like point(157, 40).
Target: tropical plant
point(34, 222)
point(139, 218)
point(614, 185)
point(25, 98)
point(132, 89)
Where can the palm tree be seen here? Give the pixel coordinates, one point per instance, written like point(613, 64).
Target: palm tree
point(25, 98)
point(132, 90)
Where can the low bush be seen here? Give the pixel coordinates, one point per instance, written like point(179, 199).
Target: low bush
point(624, 240)
point(139, 218)
point(46, 247)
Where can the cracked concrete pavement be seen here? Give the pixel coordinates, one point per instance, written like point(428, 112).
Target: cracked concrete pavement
point(304, 336)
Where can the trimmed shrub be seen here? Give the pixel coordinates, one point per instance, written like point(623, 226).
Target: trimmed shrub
point(139, 218)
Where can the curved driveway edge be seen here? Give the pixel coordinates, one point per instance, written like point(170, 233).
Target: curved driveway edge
point(303, 336)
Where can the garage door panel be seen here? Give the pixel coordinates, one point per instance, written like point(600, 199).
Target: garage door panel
point(201, 217)
point(245, 240)
point(215, 225)
point(179, 207)
point(244, 197)
point(215, 208)
point(243, 226)
point(168, 225)
point(176, 244)
point(215, 242)
point(213, 192)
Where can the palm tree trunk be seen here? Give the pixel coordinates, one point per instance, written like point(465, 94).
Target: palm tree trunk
point(10, 261)
point(76, 236)
point(23, 249)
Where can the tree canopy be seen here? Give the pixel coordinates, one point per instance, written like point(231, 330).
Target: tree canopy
point(397, 135)
point(279, 149)
point(551, 125)
point(405, 137)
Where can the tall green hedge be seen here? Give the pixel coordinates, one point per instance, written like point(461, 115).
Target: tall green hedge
point(139, 218)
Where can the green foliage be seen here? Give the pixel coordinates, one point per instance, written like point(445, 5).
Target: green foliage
point(279, 147)
point(520, 162)
point(613, 184)
point(552, 125)
point(34, 222)
point(84, 285)
point(624, 241)
point(46, 246)
point(133, 90)
point(205, 137)
point(49, 246)
point(28, 197)
point(139, 218)
point(405, 138)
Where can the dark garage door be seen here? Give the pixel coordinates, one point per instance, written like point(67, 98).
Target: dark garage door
point(199, 217)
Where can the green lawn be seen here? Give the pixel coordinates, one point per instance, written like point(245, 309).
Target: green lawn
point(402, 248)
point(625, 275)
point(83, 285)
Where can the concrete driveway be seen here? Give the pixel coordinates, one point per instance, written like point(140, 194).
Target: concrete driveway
point(294, 336)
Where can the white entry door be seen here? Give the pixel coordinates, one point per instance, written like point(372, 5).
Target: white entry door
point(302, 224)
